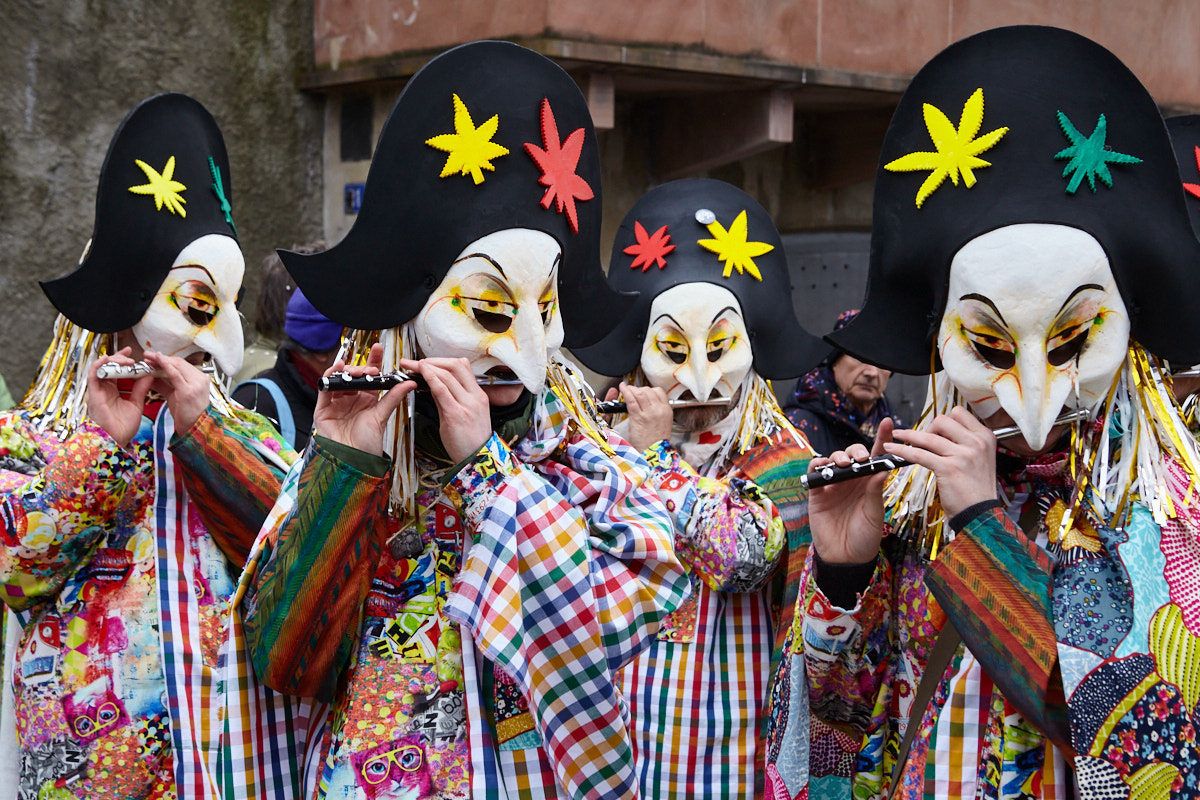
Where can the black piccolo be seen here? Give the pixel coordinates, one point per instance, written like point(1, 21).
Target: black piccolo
point(618, 406)
point(829, 474)
point(345, 382)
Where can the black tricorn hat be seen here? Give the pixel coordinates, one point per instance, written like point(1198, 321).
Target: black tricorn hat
point(164, 184)
point(658, 246)
point(1185, 138)
point(534, 164)
point(1053, 128)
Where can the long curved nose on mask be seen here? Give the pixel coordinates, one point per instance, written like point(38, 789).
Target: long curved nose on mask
point(524, 352)
point(223, 341)
point(700, 378)
point(1036, 401)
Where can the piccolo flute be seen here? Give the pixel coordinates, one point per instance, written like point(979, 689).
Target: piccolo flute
point(114, 371)
point(345, 382)
point(824, 476)
point(618, 406)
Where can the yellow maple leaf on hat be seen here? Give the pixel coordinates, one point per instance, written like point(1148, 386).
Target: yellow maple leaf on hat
point(732, 248)
point(957, 148)
point(470, 149)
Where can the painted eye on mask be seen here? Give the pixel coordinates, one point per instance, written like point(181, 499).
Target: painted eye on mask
point(720, 340)
point(493, 314)
point(997, 351)
point(197, 302)
point(1067, 343)
point(675, 349)
point(546, 309)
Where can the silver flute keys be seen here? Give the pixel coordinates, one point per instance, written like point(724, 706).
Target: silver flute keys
point(345, 382)
point(114, 371)
point(826, 475)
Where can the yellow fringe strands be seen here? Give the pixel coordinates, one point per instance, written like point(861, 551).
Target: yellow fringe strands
point(759, 415)
point(399, 436)
point(1126, 456)
point(1188, 409)
point(57, 400)
point(910, 496)
point(576, 395)
point(1151, 437)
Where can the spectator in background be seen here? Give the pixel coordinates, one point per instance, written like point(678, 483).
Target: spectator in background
point(274, 290)
point(286, 393)
point(841, 402)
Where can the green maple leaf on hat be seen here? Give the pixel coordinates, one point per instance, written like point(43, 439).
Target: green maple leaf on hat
point(1089, 155)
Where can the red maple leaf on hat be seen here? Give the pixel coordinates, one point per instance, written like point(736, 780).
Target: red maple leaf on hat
point(649, 249)
point(1192, 188)
point(557, 163)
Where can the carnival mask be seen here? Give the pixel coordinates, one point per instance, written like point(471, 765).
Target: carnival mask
point(696, 347)
point(497, 307)
point(1033, 323)
point(194, 310)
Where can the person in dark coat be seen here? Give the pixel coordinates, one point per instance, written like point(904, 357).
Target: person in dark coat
point(286, 393)
point(841, 401)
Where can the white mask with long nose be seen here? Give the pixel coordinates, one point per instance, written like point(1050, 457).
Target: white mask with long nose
point(195, 309)
point(1034, 324)
point(696, 346)
point(498, 307)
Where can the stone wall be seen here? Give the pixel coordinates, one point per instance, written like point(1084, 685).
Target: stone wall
point(69, 72)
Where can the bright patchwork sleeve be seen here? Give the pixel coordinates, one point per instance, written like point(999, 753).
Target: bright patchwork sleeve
point(727, 531)
point(846, 651)
point(230, 477)
point(569, 575)
point(86, 487)
point(776, 464)
point(993, 582)
point(303, 613)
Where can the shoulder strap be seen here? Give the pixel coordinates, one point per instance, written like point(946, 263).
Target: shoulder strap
point(939, 658)
point(283, 409)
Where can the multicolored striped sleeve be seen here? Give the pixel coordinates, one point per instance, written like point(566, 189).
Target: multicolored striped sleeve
point(304, 610)
point(776, 465)
point(727, 531)
point(227, 478)
point(569, 575)
point(52, 521)
point(993, 583)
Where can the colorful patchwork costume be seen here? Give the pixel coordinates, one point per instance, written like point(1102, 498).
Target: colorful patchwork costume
point(702, 332)
point(121, 561)
point(465, 621)
point(1074, 592)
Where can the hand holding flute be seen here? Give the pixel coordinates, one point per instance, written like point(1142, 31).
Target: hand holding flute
point(113, 370)
point(650, 413)
point(184, 386)
point(351, 411)
point(830, 474)
point(846, 519)
point(358, 418)
point(344, 381)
